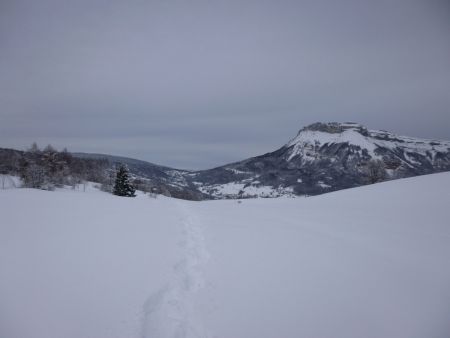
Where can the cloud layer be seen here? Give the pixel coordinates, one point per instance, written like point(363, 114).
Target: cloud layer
point(195, 84)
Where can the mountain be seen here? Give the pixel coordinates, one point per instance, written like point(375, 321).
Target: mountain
point(323, 157)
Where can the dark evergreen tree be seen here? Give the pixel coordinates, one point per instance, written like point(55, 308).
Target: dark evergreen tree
point(122, 186)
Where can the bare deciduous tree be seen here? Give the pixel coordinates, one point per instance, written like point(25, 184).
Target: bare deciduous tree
point(375, 171)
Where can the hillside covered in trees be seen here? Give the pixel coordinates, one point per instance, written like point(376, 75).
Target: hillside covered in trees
point(49, 168)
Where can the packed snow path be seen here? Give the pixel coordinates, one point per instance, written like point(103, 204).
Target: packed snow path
point(170, 312)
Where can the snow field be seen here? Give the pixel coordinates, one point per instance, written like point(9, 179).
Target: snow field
point(366, 262)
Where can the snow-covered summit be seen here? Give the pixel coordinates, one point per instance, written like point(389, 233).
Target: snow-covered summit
point(373, 143)
point(311, 138)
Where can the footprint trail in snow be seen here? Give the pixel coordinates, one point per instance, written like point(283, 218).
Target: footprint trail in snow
point(170, 313)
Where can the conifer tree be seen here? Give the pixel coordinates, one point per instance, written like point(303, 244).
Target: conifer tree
point(122, 186)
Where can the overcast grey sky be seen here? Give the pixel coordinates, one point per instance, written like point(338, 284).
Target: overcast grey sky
point(195, 84)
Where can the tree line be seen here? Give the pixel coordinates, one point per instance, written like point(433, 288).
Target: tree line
point(49, 168)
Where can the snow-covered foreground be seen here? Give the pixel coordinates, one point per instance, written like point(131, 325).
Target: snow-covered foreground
point(366, 262)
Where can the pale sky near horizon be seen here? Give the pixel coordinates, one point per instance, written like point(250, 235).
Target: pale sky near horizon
point(196, 84)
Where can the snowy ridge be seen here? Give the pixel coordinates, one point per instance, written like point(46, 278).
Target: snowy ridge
point(309, 140)
point(421, 146)
point(171, 312)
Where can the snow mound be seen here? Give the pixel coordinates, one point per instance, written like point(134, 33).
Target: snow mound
point(9, 182)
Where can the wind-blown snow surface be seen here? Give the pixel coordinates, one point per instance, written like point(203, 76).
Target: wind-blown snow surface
point(365, 262)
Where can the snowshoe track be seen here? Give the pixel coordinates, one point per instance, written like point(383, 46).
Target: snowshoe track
point(170, 312)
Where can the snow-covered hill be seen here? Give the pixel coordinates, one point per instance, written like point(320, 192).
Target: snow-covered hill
point(364, 262)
